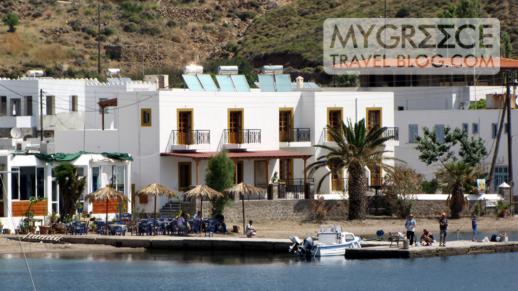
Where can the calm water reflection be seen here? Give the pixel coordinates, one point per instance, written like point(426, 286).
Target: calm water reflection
point(227, 271)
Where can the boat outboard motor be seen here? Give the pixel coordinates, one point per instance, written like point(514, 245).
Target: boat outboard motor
point(297, 243)
point(307, 247)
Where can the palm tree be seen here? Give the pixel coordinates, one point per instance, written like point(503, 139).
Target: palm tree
point(457, 177)
point(356, 148)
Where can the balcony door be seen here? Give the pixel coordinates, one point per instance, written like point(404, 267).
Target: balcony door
point(184, 176)
point(235, 126)
point(185, 127)
point(261, 173)
point(286, 169)
point(285, 124)
point(373, 117)
point(238, 172)
point(334, 120)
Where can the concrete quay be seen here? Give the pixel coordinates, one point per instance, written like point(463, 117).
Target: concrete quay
point(383, 250)
point(171, 243)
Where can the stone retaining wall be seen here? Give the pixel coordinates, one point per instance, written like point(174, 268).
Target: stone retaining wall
point(303, 210)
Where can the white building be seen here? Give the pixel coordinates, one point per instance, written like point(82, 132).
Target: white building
point(268, 132)
point(63, 105)
point(433, 98)
point(478, 123)
point(28, 175)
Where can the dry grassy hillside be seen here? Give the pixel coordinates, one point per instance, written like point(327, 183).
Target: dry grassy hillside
point(161, 36)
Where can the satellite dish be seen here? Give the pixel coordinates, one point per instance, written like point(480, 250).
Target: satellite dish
point(16, 132)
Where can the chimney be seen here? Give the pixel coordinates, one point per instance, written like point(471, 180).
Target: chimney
point(300, 82)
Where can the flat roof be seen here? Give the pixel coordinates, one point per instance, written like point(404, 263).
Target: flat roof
point(275, 154)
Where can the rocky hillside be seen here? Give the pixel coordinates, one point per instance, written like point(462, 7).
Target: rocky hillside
point(161, 36)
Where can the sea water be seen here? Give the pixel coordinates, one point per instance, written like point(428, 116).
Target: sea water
point(227, 271)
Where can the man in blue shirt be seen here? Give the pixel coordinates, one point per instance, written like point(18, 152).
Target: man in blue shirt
point(410, 224)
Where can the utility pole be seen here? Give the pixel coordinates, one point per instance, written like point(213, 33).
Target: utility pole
point(499, 134)
point(510, 141)
point(98, 38)
point(41, 114)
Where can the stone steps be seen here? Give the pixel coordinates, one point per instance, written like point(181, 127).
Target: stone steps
point(170, 209)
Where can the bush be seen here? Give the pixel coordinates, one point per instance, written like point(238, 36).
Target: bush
point(130, 27)
point(403, 12)
point(220, 176)
point(11, 19)
point(107, 31)
point(320, 209)
point(480, 104)
point(91, 31)
point(151, 30)
point(430, 187)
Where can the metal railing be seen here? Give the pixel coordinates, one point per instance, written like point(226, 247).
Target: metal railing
point(191, 137)
point(241, 136)
point(293, 188)
point(295, 135)
point(391, 131)
point(327, 134)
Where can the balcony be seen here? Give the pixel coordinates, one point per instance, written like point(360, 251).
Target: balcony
point(391, 131)
point(240, 138)
point(295, 137)
point(192, 140)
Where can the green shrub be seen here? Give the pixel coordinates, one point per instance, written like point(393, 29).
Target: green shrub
point(430, 187)
point(90, 30)
point(130, 27)
point(107, 31)
point(150, 30)
point(220, 176)
point(11, 19)
point(480, 104)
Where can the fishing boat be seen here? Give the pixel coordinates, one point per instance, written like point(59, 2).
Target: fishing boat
point(330, 241)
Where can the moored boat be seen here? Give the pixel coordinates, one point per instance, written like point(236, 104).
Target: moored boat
point(331, 241)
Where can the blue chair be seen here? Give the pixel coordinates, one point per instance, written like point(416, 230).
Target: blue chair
point(100, 227)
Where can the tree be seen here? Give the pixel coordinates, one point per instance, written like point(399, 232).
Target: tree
point(456, 146)
point(71, 186)
point(399, 183)
point(463, 9)
point(403, 12)
point(11, 19)
point(356, 148)
point(507, 45)
point(459, 157)
point(220, 176)
point(457, 178)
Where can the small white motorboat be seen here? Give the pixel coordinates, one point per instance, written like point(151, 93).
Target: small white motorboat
point(331, 241)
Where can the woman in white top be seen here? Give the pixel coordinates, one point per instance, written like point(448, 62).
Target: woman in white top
point(250, 230)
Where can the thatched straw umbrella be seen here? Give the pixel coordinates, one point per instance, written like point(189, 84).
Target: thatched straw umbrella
point(243, 189)
point(156, 190)
point(106, 194)
point(203, 191)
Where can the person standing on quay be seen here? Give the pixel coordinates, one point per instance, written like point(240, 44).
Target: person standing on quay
point(443, 227)
point(474, 227)
point(410, 228)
